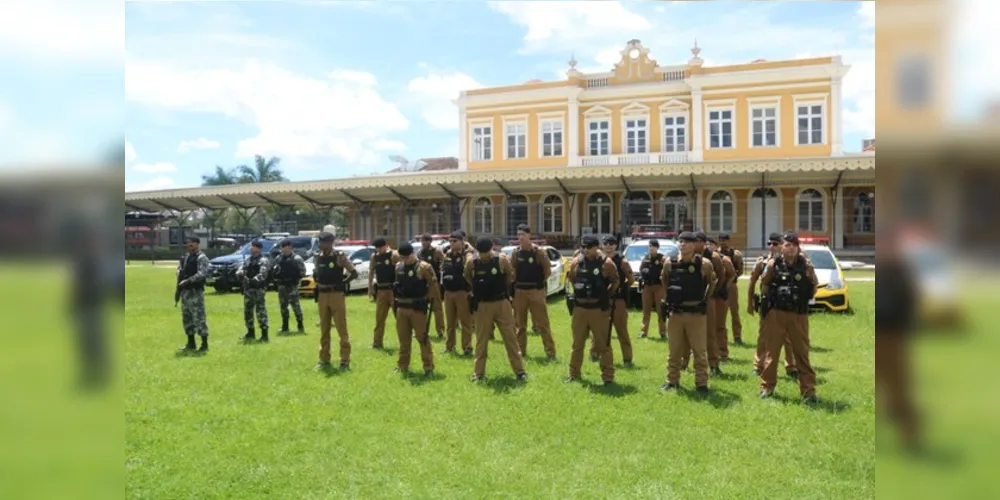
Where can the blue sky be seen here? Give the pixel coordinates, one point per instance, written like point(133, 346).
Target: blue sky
point(334, 89)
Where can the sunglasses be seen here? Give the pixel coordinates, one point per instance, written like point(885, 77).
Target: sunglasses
point(773, 244)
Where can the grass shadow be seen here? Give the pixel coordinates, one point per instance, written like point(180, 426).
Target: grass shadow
point(716, 397)
point(418, 379)
point(733, 375)
point(616, 390)
point(291, 334)
point(815, 348)
point(387, 351)
point(743, 346)
point(737, 361)
point(541, 360)
point(189, 354)
point(502, 385)
point(829, 406)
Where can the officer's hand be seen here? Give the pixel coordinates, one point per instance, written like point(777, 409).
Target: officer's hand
point(183, 283)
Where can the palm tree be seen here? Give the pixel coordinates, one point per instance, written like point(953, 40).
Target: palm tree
point(262, 171)
point(222, 177)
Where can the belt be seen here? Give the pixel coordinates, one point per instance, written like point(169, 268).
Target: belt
point(529, 286)
point(383, 286)
point(492, 300)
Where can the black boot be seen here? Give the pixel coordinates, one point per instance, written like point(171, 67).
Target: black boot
point(204, 344)
point(302, 329)
point(250, 335)
point(284, 325)
point(263, 335)
point(190, 344)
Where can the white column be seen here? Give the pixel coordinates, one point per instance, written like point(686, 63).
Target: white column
point(838, 219)
point(836, 128)
point(573, 131)
point(574, 227)
point(463, 137)
point(697, 130)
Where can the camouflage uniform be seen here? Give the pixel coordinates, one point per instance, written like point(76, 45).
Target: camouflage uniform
point(193, 295)
point(288, 286)
point(254, 291)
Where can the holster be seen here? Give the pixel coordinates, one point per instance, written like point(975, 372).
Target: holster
point(722, 291)
point(473, 303)
point(756, 302)
point(664, 310)
point(605, 303)
point(570, 303)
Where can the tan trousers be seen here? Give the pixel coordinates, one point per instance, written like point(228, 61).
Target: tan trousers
point(711, 343)
point(734, 313)
point(596, 322)
point(500, 315)
point(652, 295)
point(761, 351)
point(410, 323)
point(687, 333)
point(438, 311)
point(720, 333)
point(620, 322)
point(383, 304)
point(892, 384)
point(331, 306)
point(456, 311)
point(782, 325)
point(532, 301)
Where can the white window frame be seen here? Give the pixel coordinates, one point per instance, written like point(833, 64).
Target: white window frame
point(606, 120)
point(722, 227)
point(550, 120)
point(764, 104)
point(823, 213)
point(479, 216)
point(557, 208)
point(720, 106)
point(643, 129)
point(857, 209)
point(811, 100)
point(664, 127)
point(478, 152)
point(518, 121)
point(600, 205)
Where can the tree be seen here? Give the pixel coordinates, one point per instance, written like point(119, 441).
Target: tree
point(262, 171)
point(222, 177)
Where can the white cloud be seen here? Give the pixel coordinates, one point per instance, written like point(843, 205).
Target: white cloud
point(160, 182)
point(160, 167)
point(130, 155)
point(561, 25)
point(297, 117)
point(434, 94)
point(196, 144)
point(866, 11)
point(61, 29)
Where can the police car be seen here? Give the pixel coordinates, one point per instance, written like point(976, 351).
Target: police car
point(831, 288)
point(558, 263)
point(359, 253)
point(638, 250)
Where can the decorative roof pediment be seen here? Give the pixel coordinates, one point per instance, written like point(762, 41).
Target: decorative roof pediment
point(635, 65)
point(597, 111)
point(674, 104)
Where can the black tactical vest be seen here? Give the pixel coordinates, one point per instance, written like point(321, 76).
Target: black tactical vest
point(731, 253)
point(384, 274)
point(791, 288)
point(189, 269)
point(651, 269)
point(452, 278)
point(590, 282)
point(529, 270)
point(288, 270)
point(252, 269)
point(622, 277)
point(408, 284)
point(687, 276)
point(428, 257)
point(488, 281)
point(328, 270)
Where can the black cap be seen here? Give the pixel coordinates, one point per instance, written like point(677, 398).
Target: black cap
point(701, 236)
point(457, 235)
point(406, 249)
point(610, 240)
point(687, 236)
point(194, 239)
point(723, 236)
point(790, 237)
point(711, 239)
point(654, 243)
point(325, 237)
point(257, 244)
point(285, 243)
point(775, 237)
point(523, 228)
point(590, 241)
point(379, 243)
point(484, 245)
point(498, 242)
point(463, 233)
point(425, 237)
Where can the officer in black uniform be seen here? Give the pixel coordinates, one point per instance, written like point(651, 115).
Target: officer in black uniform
point(254, 273)
point(289, 271)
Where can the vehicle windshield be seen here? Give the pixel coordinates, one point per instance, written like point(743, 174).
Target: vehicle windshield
point(821, 259)
point(638, 252)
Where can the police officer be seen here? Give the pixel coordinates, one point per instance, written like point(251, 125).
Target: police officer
point(619, 308)
point(332, 272)
point(456, 294)
point(789, 283)
point(254, 273)
point(734, 294)
point(720, 301)
point(289, 270)
point(756, 302)
point(720, 273)
point(595, 282)
point(652, 288)
point(380, 278)
point(434, 257)
point(192, 271)
point(531, 274)
point(690, 280)
point(469, 247)
point(413, 284)
point(490, 275)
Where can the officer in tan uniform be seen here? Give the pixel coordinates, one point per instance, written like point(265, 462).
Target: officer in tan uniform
point(652, 288)
point(332, 272)
point(789, 283)
point(690, 280)
point(532, 270)
point(595, 283)
point(734, 294)
point(620, 315)
point(434, 257)
point(414, 282)
point(721, 302)
point(456, 294)
point(490, 275)
point(721, 276)
point(759, 303)
point(381, 274)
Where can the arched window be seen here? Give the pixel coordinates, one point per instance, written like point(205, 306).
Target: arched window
point(810, 211)
point(599, 213)
point(483, 223)
point(674, 209)
point(721, 212)
point(638, 209)
point(864, 213)
point(552, 214)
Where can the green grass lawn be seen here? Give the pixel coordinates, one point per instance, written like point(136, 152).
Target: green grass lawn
point(257, 421)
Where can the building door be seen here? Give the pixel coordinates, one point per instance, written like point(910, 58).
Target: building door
point(763, 217)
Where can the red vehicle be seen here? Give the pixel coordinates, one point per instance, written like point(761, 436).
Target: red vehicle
point(361, 243)
point(648, 232)
point(814, 240)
